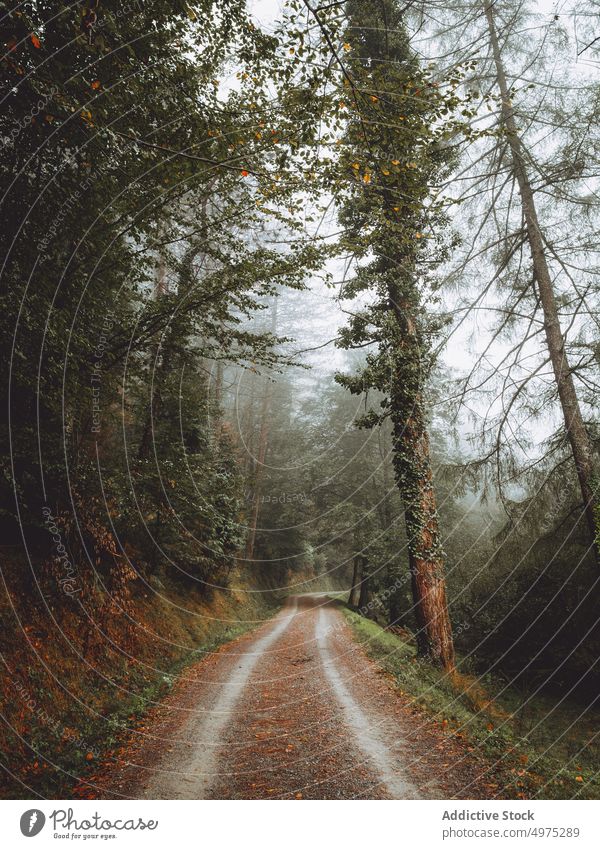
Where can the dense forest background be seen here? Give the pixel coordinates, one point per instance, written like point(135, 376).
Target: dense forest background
point(296, 298)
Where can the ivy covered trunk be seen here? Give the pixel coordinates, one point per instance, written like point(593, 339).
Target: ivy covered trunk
point(412, 465)
point(425, 556)
point(394, 151)
point(259, 460)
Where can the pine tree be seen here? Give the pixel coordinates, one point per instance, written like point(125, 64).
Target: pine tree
point(528, 220)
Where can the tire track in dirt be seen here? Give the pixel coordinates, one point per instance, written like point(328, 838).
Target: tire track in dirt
point(196, 755)
point(366, 732)
point(294, 710)
point(290, 737)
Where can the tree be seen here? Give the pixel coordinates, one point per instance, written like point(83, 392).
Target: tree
point(529, 254)
point(390, 158)
point(263, 438)
point(117, 139)
point(87, 180)
point(581, 445)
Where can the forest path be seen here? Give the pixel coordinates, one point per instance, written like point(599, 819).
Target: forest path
point(293, 710)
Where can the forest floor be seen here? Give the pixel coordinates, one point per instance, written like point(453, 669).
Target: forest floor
point(67, 700)
point(296, 709)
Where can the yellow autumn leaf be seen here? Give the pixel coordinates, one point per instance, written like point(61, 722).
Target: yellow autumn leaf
point(347, 46)
point(356, 166)
point(366, 178)
point(395, 162)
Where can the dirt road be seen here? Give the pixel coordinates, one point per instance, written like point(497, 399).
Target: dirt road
point(293, 710)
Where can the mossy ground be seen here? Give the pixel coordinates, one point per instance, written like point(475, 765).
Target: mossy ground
point(537, 746)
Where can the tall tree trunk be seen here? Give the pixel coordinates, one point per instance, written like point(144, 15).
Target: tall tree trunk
point(412, 465)
point(581, 446)
point(247, 423)
point(356, 579)
point(365, 585)
point(258, 471)
point(161, 285)
point(154, 401)
point(394, 574)
point(394, 210)
point(218, 399)
point(426, 559)
point(263, 439)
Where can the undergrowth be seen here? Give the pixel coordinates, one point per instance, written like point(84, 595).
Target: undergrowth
point(537, 746)
point(65, 708)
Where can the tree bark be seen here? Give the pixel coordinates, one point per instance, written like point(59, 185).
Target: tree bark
point(365, 585)
point(394, 574)
point(426, 559)
point(412, 465)
point(356, 578)
point(218, 399)
point(262, 451)
point(579, 440)
point(154, 400)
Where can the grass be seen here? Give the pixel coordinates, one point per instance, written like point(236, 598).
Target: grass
point(538, 747)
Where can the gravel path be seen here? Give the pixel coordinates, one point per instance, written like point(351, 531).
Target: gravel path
point(293, 710)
